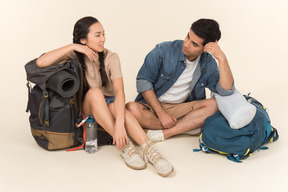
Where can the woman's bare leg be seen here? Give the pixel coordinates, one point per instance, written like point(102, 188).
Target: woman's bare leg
point(133, 128)
point(95, 104)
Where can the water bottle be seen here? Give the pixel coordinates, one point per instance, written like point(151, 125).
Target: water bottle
point(91, 145)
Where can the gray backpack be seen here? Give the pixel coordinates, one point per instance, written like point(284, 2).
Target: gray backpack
point(55, 104)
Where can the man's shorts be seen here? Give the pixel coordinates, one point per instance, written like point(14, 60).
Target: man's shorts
point(178, 110)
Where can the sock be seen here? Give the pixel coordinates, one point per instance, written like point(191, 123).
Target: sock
point(143, 146)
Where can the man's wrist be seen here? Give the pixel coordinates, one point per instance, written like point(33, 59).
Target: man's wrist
point(222, 59)
point(160, 111)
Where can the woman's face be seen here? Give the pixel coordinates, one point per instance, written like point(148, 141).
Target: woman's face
point(192, 46)
point(95, 38)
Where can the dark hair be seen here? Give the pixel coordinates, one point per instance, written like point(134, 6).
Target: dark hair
point(207, 29)
point(81, 29)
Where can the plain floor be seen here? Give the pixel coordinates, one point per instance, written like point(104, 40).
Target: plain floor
point(27, 167)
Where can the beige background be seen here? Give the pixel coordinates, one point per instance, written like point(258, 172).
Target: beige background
point(254, 38)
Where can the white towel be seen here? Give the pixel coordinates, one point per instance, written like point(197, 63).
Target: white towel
point(236, 109)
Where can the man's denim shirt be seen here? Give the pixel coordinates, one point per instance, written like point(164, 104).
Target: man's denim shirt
point(166, 62)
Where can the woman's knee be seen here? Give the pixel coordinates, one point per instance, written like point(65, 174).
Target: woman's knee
point(92, 98)
point(94, 94)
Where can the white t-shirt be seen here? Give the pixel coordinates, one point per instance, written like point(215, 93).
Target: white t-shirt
point(180, 91)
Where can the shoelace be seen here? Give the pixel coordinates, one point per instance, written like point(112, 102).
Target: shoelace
point(129, 149)
point(152, 153)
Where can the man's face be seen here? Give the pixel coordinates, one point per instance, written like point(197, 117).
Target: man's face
point(192, 46)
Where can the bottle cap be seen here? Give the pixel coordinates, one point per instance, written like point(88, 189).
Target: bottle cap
point(91, 119)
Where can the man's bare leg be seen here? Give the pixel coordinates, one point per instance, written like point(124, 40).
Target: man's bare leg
point(194, 119)
point(147, 119)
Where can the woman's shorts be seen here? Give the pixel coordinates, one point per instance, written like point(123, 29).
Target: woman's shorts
point(110, 100)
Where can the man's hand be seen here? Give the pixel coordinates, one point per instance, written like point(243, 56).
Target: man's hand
point(215, 50)
point(167, 120)
point(226, 78)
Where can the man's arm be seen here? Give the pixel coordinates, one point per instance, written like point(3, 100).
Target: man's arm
point(226, 78)
point(165, 118)
point(146, 79)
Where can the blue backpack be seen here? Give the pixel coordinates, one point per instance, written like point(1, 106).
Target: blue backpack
point(218, 137)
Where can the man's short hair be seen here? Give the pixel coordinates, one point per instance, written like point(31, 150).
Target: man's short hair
point(207, 29)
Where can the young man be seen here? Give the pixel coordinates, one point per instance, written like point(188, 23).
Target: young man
point(171, 83)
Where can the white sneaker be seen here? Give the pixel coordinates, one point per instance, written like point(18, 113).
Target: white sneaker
point(155, 135)
point(162, 166)
point(194, 132)
point(131, 157)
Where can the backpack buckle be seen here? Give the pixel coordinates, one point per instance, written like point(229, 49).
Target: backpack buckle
point(46, 123)
point(72, 101)
point(45, 94)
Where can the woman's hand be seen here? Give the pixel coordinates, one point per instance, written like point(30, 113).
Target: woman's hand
point(86, 51)
point(118, 110)
point(120, 136)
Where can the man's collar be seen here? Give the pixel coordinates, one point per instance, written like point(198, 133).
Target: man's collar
point(182, 56)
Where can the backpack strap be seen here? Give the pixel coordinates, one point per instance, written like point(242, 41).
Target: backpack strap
point(44, 107)
point(74, 116)
point(28, 84)
point(272, 137)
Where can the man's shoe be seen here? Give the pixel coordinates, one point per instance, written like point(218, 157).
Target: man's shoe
point(162, 166)
point(155, 135)
point(131, 157)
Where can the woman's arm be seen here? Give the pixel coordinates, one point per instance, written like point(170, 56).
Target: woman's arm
point(120, 135)
point(56, 55)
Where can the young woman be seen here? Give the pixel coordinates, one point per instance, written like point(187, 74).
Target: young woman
point(105, 98)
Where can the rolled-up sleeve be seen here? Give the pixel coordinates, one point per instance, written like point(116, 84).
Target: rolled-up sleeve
point(143, 85)
point(224, 92)
point(213, 80)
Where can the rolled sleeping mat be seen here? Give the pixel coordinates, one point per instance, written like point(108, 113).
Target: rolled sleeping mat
point(63, 83)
